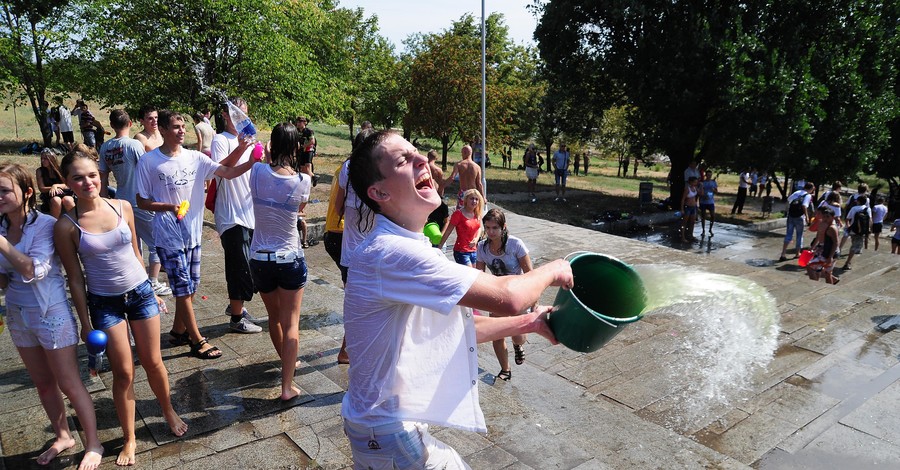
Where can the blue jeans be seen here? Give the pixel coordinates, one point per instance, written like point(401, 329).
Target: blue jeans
point(137, 304)
point(400, 446)
point(798, 225)
point(465, 258)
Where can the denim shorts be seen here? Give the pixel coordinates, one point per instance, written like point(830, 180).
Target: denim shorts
point(409, 446)
point(182, 268)
point(270, 275)
point(137, 304)
point(690, 210)
point(467, 258)
point(708, 207)
point(30, 328)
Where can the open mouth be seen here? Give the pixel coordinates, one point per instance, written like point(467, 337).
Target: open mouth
point(424, 182)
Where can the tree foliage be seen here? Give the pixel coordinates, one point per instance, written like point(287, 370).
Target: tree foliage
point(790, 85)
point(188, 53)
point(33, 36)
point(443, 94)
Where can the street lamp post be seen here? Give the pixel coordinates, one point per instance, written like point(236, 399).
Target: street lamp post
point(484, 146)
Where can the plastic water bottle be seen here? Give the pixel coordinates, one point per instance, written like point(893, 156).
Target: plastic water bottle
point(242, 122)
point(96, 346)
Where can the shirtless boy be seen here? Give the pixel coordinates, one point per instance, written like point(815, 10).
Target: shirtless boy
point(149, 136)
point(469, 175)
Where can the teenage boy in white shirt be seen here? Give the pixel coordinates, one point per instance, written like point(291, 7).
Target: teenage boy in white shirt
point(167, 176)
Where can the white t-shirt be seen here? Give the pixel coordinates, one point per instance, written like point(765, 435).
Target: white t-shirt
point(353, 236)
point(234, 205)
point(170, 181)
point(276, 202)
point(836, 208)
point(120, 156)
point(414, 351)
point(807, 198)
point(878, 213)
point(65, 119)
point(505, 264)
point(744, 182)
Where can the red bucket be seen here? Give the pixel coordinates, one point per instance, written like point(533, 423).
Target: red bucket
point(805, 257)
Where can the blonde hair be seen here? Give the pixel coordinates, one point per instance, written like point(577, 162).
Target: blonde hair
point(479, 209)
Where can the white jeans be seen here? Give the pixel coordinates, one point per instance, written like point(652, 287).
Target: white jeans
point(399, 446)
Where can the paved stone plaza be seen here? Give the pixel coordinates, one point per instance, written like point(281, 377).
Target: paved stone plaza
point(828, 399)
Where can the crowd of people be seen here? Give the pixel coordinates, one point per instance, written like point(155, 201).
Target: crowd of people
point(394, 283)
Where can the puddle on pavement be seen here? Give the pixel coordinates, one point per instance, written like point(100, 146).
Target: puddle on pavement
point(315, 321)
point(725, 235)
point(727, 331)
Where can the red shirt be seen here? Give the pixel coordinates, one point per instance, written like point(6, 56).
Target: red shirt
point(466, 231)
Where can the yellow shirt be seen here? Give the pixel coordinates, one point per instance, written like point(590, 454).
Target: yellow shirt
point(334, 222)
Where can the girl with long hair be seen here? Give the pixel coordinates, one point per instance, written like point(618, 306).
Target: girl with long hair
point(503, 255)
point(112, 292)
point(39, 319)
point(467, 223)
point(277, 260)
point(55, 195)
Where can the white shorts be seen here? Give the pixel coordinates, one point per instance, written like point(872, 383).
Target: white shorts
point(29, 327)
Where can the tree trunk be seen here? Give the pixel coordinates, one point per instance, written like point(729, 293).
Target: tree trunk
point(350, 125)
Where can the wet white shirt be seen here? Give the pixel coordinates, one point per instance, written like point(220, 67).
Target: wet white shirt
point(414, 355)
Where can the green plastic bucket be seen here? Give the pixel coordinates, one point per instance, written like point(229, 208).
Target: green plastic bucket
point(608, 294)
point(433, 232)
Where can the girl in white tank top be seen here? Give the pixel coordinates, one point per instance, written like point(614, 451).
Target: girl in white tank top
point(101, 234)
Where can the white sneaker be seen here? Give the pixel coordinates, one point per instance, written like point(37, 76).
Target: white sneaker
point(244, 326)
point(246, 315)
point(160, 289)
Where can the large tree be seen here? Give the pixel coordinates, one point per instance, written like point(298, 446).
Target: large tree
point(188, 54)
point(444, 90)
point(767, 83)
point(32, 35)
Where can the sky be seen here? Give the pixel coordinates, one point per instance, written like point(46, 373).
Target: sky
point(397, 19)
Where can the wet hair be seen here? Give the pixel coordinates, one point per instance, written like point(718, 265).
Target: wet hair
point(861, 200)
point(78, 152)
point(862, 188)
point(285, 142)
point(23, 179)
point(432, 155)
point(497, 216)
point(479, 209)
point(54, 164)
point(837, 185)
point(879, 200)
point(835, 197)
point(364, 172)
point(145, 110)
point(166, 118)
point(119, 119)
point(692, 179)
point(198, 116)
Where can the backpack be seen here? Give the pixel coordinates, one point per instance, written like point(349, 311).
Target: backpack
point(860, 223)
point(795, 208)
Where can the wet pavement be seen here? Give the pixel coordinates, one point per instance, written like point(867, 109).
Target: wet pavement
point(826, 399)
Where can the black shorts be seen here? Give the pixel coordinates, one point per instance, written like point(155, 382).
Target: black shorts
point(876, 228)
point(68, 137)
point(305, 158)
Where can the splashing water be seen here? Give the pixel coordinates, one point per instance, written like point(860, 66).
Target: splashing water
point(200, 72)
point(727, 329)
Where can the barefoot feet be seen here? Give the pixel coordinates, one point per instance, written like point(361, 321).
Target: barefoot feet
point(177, 426)
point(60, 445)
point(126, 457)
point(92, 458)
point(294, 392)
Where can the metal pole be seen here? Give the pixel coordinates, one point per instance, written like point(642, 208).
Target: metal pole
point(483, 105)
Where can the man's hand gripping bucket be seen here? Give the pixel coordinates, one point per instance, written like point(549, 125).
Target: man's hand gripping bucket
point(608, 294)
